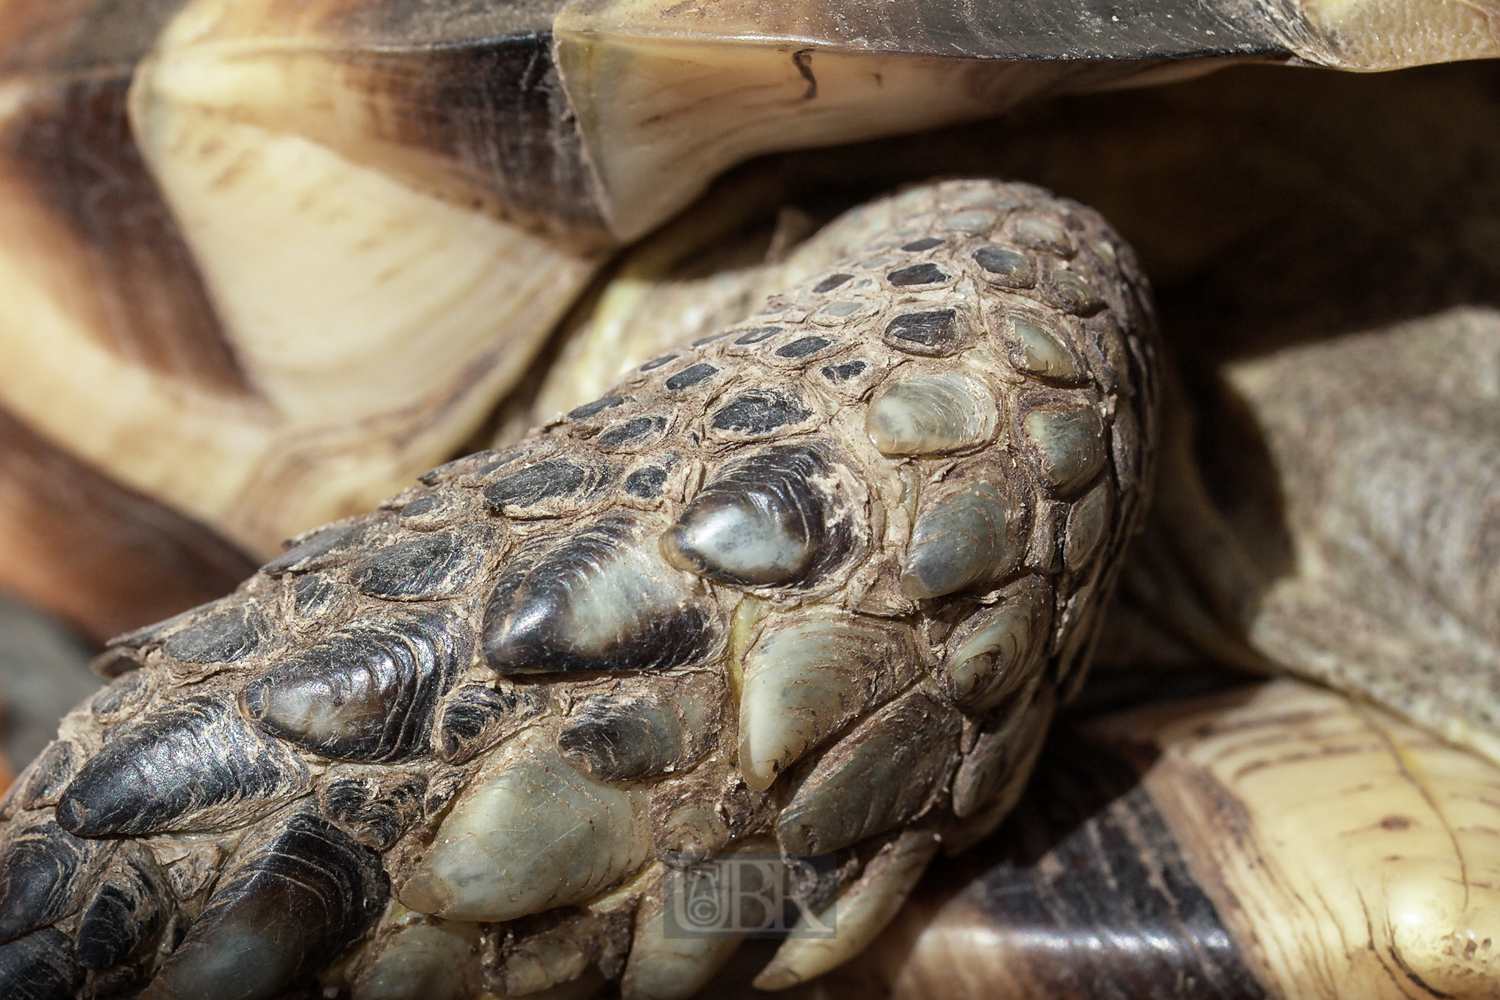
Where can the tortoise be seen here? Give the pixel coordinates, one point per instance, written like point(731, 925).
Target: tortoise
point(466, 602)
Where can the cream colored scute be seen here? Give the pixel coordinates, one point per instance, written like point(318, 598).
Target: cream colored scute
point(1391, 34)
point(376, 323)
point(1349, 853)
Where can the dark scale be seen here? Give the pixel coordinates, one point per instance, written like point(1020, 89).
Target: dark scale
point(312, 594)
point(762, 522)
point(759, 411)
point(646, 483)
point(844, 372)
point(530, 625)
point(372, 813)
point(691, 376)
point(916, 274)
point(126, 693)
point(42, 782)
point(925, 243)
point(623, 742)
point(42, 964)
point(711, 338)
point(935, 333)
point(597, 406)
point(368, 692)
point(535, 483)
point(307, 554)
point(802, 348)
point(831, 282)
point(422, 505)
point(433, 566)
point(126, 913)
point(476, 717)
point(758, 334)
point(634, 429)
point(311, 868)
point(1011, 267)
point(158, 775)
point(222, 637)
point(656, 363)
point(36, 877)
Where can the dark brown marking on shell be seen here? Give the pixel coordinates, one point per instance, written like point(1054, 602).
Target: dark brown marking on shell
point(162, 773)
point(104, 557)
point(483, 114)
point(760, 411)
point(935, 333)
point(38, 883)
point(1086, 867)
point(222, 637)
point(299, 901)
point(434, 566)
point(40, 966)
point(101, 227)
point(529, 626)
point(368, 692)
point(763, 521)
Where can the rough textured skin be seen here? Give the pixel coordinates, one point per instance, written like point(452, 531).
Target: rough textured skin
point(513, 692)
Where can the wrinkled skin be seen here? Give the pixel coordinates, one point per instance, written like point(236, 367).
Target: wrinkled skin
point(814, 583)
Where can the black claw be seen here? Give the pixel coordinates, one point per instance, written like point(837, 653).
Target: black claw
point(39, 878)
point(428, 568)
point(301, 900)
point(763, 521)
point(39, 966)
point(599, 599)
point(170, 772)
point(125, 915)
point(368, 692)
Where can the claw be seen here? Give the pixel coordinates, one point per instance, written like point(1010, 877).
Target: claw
point(806, 680)
point(531, 832)
point(301, 899)
point(885, 772)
